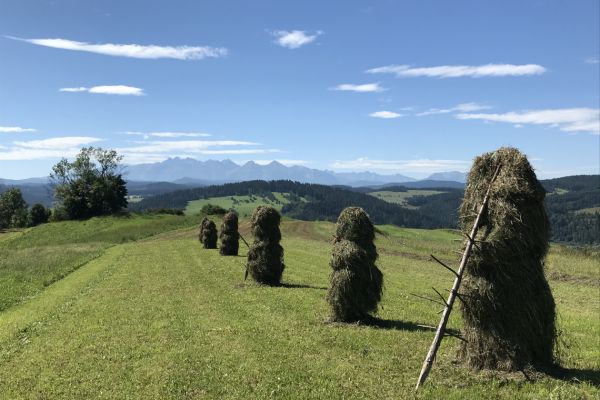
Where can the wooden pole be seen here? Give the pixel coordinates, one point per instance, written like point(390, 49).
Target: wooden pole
point(439, 333)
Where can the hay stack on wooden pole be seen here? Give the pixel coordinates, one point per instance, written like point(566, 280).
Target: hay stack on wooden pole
point(201, 228)
point(356, 282)
point(230, 237)
point(209, 235)
point(265, 256)
point(507, 306)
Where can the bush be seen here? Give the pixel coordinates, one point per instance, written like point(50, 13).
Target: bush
point(211, 209)
point(265, 256)
point(356, 282)
point(38, 214)
point(13, 209)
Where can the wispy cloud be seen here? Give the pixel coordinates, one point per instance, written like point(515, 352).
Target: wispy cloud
point(132, 50)
point(458, 71)
point(167, 134)
point(464, 107)
point(287, 163)
point(566, 119)
point(363, 88)
point(121, 90)
point(15, 129)
point(294, 39)
point(421, 165)
point(186, 146)
point(57, 147)
point(385, 114)
point(592, 60)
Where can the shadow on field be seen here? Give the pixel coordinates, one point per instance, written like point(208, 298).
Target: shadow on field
point(590, 376)
point(301, 286)
point(404, 326)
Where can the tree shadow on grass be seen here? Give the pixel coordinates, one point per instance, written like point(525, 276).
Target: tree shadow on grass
point(300, 286)
point(575, 375)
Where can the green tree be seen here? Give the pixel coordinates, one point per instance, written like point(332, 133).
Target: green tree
point(13, 209)
point(38, 214)
point(91, 185)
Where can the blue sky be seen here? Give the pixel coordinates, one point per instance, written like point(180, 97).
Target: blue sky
point(413, 87)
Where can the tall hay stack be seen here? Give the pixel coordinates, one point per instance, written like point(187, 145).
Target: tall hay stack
point(201, 228)
point(209, 235)
point(356, 282)
point(265, 256)
point(507, 306)
point(230, 237)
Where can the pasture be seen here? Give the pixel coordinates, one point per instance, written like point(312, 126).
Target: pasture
point(135, 308)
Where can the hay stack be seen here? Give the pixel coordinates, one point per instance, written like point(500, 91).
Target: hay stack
point(201, 228)
point(265, 256)
point(230, 237)
point(507, 305)
point(356, 282)
point(209, 235)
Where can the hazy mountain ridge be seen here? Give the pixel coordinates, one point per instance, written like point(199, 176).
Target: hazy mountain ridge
point(188, 170)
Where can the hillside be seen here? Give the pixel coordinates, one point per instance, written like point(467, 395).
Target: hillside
point(160, 318)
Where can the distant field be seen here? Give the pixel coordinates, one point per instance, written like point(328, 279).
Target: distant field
point(591, 210)
point(244, 205)
point(401, 197)
point(157, 317)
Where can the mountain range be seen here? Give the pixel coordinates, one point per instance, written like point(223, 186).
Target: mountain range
point(191, 171)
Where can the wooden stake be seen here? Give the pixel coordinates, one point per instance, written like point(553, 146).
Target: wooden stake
point(439, 333)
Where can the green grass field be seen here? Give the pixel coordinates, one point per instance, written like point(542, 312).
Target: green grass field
point(149, 314)
point(401, 197)
point(244, 205)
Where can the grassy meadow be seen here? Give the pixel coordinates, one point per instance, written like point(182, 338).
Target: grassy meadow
point(401, 197)
point(134, 308)
point(244, 205)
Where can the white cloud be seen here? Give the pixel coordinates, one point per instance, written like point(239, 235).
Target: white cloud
point(167, 134)
point(238, 151)
point(421, 165)
point(566, 119)
point(15, 129)
point(47, 148)
point(294, 39)
point(121, 90)
point(385, 114)
point(287, 163)
point(364, 88)
point(592, 60)
point(132, 50)
point(457, 71)
point(58, 142)
point(185, 146)
point(465, 107)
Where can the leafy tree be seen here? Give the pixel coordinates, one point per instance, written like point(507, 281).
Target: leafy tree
point(13, 209)
point(38, 214)
point(91, 185)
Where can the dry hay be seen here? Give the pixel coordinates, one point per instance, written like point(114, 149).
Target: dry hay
point(201, 228)
point(507, 305)
point(209, 235)
point(230, 237)
point(356, 282)
point(265, 256)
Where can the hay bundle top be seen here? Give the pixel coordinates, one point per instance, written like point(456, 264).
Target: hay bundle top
point(265, 224)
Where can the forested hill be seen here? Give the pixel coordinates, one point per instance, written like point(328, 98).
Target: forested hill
point(319, 202)
point(573, 204)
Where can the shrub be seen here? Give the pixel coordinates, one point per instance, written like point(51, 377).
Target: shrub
point(507, 306)
point(265, 256)
point(230, 237)
point(356, 282)
point(13, 209)
point(38, 214)
point(211, 209)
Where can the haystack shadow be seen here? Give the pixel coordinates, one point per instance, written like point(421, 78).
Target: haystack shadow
point(300, 286)
point(400, 325)
point(575, 375)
